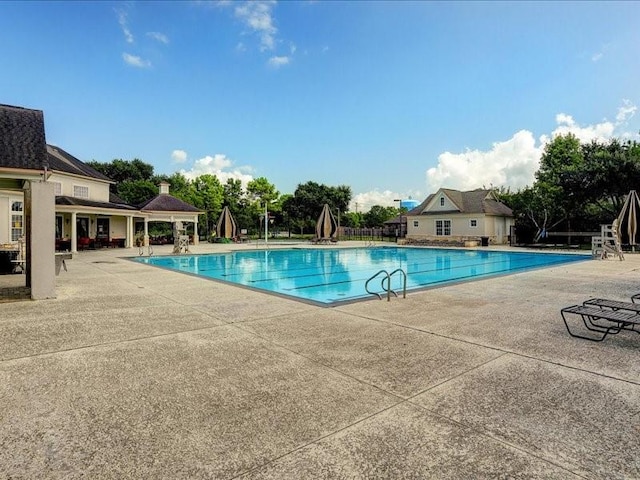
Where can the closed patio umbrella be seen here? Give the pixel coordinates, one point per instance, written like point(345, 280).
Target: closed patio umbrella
point(628, 218)
point(326, 227)
point(226, 226)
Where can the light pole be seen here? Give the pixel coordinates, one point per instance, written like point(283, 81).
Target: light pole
point(266, 223)
point(399, 216)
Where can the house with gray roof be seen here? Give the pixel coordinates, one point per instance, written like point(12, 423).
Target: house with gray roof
point(456, 217)
point(26, 200)
point(86, 212)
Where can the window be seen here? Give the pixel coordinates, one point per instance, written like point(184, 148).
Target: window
point(16, 221)
point(80, 191)
point(415, 223)
point(473, 223)
point(57, 188)
point(442, 201)
point(443, 227)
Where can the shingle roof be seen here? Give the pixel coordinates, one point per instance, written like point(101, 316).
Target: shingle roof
point(22, 138)
point(473, 201)
point(74, 201)
point(167, 203)
point(113, 198)
point(62, 161)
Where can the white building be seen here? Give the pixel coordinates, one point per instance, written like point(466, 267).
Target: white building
point(452, 216)
point(51, 200)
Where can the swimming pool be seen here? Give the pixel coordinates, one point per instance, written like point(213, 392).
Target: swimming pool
point(328, 276)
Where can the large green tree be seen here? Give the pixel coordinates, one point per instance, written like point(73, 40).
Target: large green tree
point(134, 180)
point(378, 214)
point(578, 186)
point(309, 198)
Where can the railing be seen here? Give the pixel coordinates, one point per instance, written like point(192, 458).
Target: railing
point(149, 250)
point(387, 276)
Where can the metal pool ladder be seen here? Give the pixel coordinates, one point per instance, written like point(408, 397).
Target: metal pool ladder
point(387, 277)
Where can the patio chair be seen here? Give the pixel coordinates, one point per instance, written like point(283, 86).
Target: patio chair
point(20, 260)
point(604, 317)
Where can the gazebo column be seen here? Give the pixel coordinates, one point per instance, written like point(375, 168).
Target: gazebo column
point(128, 243)
point(195, 231)
point(74, 233)
point(146, 232)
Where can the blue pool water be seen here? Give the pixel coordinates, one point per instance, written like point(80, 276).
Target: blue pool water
point(327, 276)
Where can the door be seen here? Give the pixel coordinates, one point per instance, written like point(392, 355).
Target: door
point(102, 230)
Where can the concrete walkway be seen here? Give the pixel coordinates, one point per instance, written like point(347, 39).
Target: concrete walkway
point(134, 372)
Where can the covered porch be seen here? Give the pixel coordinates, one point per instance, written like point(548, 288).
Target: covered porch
point(83, 225)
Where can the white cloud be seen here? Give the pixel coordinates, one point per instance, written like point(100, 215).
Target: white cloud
point(626, 112)
point(513, 163)
point(221, 166)
point(160, 37)
point(277, 62)
point(179, 156)
point(124, 25)
point(135, 61)
point(599, 55)
point(362, 202)
point(257, 16)
point(566, 124)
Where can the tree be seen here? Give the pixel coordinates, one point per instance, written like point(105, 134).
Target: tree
point(135, 192)
point(309, 198)
point(206, 193)
point(352, 219)
point(378, 214)
point(582, 185)
point(120, 170)
point(262, 193)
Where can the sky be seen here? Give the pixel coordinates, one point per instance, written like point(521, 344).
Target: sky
point(394, 99)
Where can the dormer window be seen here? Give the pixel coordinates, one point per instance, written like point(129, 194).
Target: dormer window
point(442, 201)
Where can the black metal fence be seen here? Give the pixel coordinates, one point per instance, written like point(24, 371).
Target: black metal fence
point(349, 233)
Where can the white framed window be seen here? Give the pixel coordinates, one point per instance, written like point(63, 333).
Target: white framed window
point(442, 201)
point(443, 228)
point(415, 223)
point(80, 191)
point(17, 221)
point(57, 188)
point(473, 223)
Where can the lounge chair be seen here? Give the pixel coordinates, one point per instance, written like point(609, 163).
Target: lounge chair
point(604, 317)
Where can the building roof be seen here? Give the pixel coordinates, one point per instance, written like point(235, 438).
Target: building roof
point(82, 202)
point(167, 203)
point(62, 161)
point(22, 138)
point(398, 219)
point(473, 201)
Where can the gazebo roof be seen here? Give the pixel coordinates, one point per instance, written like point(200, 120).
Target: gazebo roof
point(167, 203)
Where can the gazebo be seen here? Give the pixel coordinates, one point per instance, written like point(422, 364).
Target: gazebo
point(167, 208)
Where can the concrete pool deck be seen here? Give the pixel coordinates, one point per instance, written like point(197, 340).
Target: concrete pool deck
point(134, 372)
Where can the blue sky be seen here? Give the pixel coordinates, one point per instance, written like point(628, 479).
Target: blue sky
point(395, 99)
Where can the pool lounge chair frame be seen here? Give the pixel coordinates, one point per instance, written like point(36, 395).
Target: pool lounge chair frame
point(604, 317)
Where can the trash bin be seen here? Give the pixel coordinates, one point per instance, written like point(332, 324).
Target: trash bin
point(484, 241)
